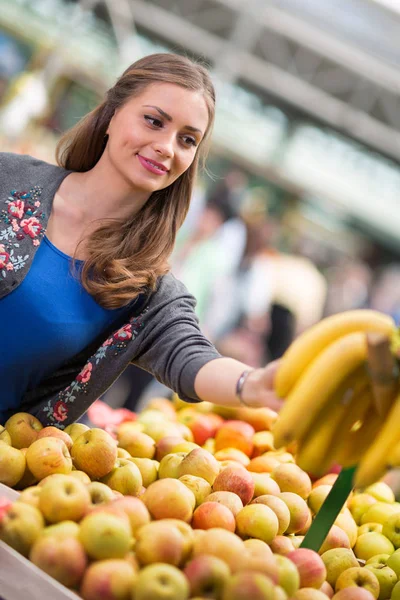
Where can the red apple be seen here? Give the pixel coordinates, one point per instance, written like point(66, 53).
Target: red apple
point(236, 480)
point(159, 542)
point(228, 499)
point(221, 543)
point(62, 558)
point(311, 567)
point(213, 514)
point(48, 456)
point(263, 464)
point(135, 510)
point(235, 434)
point(94, 452)
point(207, 575)
point(165, 445)
point(111, 579)
point(57, 433)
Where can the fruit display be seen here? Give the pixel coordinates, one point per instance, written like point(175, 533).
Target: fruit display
point(338, 409)
point(183, 502)
point(201, 501)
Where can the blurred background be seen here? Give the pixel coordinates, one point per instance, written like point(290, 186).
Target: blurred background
point(297, 215)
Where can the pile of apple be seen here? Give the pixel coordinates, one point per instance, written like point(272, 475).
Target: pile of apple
point(184, 502)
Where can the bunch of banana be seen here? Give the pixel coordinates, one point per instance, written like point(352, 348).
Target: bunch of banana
point(329, 405)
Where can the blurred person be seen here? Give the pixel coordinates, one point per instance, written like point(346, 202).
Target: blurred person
point(85, 287)
point(385, 293)
point(349, 283)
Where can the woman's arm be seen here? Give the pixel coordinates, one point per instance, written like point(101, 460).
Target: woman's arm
point(216, 382)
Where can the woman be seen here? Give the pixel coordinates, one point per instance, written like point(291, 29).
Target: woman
point(114, 203)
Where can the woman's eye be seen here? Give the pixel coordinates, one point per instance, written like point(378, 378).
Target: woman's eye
point(153, 121)
point(189, 140)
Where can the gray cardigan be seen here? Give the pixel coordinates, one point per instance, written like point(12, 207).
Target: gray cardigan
point(159, 331)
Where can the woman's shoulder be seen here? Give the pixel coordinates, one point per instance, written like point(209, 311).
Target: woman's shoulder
point(25, 168)
point(21, 173)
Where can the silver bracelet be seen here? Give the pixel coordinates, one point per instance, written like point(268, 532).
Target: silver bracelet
point(240, 384)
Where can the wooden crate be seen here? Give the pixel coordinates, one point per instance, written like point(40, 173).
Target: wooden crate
point(20, 579)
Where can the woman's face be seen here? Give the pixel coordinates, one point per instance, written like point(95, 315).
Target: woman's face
point(153, 138)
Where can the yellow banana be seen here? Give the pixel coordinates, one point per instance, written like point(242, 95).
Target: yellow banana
point(374, 463)
point(357, 430)
point(302, 352)
point(317, 385)
point(316, 451)
point(394, 457)
point(312, 454)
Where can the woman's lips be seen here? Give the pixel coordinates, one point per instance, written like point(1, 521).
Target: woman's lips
point(150, 166)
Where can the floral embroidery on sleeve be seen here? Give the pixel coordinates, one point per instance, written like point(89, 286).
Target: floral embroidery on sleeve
point(119, 341)
point(22, 218)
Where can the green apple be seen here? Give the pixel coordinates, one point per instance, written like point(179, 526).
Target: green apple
point(20, 527)
point(387, 579)
point(66, 529)
point(358, 577)
point(381, 491)
point(391, 529)
point(169, 465)
point(372, 543)
point(105, 535)
point(23, 429)
point(378, 558)
point(5, 436)
point(12, 464)
point(368, 527)
point(137, 443)
point(60, 557)
point(75, 430)
point(112, 579)
point(318, 496)
point(258, 521)
point(124, 477)
point(64, 500)
point(358, 504)
point(30, 495)
point(161, 581)
point(379, 513)
point(279, 507)
point(199, 486)
point(148, 469)
point(336, 561)
point(288, 575)
point(396, 592)
point(100, 493)
point(394, 562)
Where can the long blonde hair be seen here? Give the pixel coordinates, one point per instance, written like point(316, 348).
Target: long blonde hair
point(126, 258)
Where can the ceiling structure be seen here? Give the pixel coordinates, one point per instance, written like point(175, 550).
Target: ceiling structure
point(336, 61)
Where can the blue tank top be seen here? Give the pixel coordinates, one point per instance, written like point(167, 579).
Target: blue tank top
point(48, 319)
